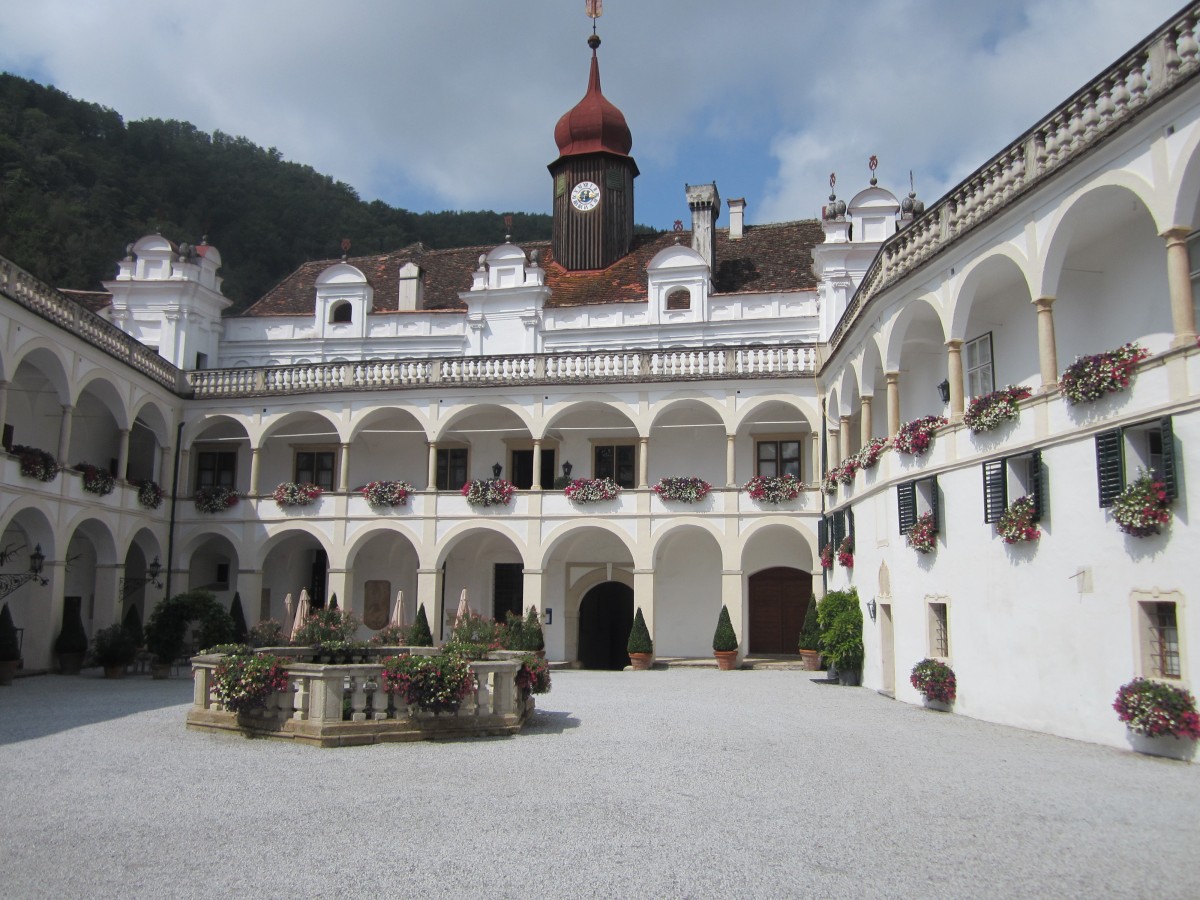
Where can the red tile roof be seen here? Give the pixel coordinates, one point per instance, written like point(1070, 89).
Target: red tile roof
point(91, 300)
point(768, 258)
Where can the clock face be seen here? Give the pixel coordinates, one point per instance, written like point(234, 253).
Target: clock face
point(585, 196)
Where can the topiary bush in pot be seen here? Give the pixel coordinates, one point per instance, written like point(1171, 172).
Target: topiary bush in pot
point(114, 648)
point(810, 637)
point(725, 642)
point(241, 634)
point(639, 646)
point(169, 622)
point(840, 617)
point(72, 642)
point(420, 635)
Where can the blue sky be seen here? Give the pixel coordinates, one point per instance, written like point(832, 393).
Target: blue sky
point(451, 104)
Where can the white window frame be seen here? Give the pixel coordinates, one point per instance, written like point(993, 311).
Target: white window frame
point(979, 374)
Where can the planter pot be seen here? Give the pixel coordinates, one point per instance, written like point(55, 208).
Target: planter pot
point(812, 660)
point(160, 672)
point(1165, 745)
point(641, 661)
point(850, 678)
point(114, 671)
point(8, 670)
point(726, 659)
point(70, 663)
point(936, 705)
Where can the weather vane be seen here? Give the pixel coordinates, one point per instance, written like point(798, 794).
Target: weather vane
point(595, 9)
point(873, 164)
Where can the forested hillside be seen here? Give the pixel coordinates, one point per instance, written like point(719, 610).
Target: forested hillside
point(77, 184)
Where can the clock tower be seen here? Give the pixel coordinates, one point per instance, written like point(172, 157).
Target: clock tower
point(593, 180)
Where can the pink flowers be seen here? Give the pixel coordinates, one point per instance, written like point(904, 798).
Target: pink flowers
point(1155, 709)
point(915, 437)
point(1091, 377)
point(991, 410)
point(845, 553)
point(1144, 507)
point(774, 488)
point(1017, 524)
point(827, 556)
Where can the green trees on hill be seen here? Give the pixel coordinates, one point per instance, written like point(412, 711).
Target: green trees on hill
point(77, 184)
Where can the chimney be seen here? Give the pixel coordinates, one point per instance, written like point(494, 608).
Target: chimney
point(737, 206)
point(705, 204)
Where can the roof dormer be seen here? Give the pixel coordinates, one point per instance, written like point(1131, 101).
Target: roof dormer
point(343, 300)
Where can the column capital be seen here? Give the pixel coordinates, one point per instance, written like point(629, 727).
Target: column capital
point(954, 344)
point(892, 377)
point(867, 399)
point(1044, 302)
point(1176, 233)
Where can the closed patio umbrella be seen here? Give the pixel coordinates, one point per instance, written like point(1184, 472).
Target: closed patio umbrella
point(302, 611)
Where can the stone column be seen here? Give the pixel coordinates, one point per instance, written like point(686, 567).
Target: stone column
point(64, 434)
point(255, 462)
point(865, 423)
point(431, 473)
point(737, 604)
point(532, 592)
point(816, 458)
point(643, 462)
point(344, 473)
point(537, 465)
point(249, 586)
point(429, 595)
point(844, 433)
point(835, 450)
point(893, 402)
point(1179, 282)
point(643, 598)
point(955, 377)
point(730, 461)
point(1047, 351)
point(123, 454)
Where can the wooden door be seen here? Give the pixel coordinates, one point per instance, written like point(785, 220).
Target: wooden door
point(778, 601)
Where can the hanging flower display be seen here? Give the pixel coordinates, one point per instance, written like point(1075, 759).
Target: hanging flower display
point(915, 437)
point(829, 482)
point(96, 480)
point(433, 683)
point(845, 552)
point(243, 682)
point(387, 493)
point(1156, 709)
point(847, 470)
point(149, 494)
point(1017, 524)
point(1091, 377)
point(1144, 506)
point(591, 490)
point(684, 489)
point(215, 499)
point(488, 492)
point(935, 680)
point(291, 493)
point(827, 556)
point(36, 463)
point(774, 488)
point(991, 410)
point(870, 452)
point(922, 536)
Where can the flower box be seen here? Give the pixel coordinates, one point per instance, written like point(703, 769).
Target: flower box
point(1018, 523)
point(845, 552)
point(591, 490)
point(994, 409)
point(915, 437)
point(774, 488)
point(1144, 506)
point(922, 536)
point(36, 463)
point(291, 493)
point(827, 553)
point(488, 492)
point(1153, 709)
point(96, 480)
point(215, 499)
point(387, 493)
point(149, 494)
point(1089, 378)
point(683, 489)
point(935, 680)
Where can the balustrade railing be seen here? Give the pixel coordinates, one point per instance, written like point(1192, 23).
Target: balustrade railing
point(336, 705)
point(1142, 77)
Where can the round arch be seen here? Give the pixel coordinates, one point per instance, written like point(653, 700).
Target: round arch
point(997, 264)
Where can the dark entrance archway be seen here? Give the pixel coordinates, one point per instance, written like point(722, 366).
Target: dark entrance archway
point(778, 601)
point(605, 619)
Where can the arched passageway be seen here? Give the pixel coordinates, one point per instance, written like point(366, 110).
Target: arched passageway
point(605, 620)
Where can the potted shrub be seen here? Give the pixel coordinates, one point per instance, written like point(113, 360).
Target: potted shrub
point(10, 649)
point(639, 646)
point(72, 643)
point(169, 621)
point(420, 635)
point(935, 680)
point(241, 634)
point(810, 638)
point(840, 617)
point(725, 642)
point(525, 634)
point(1151, 709)
point(326, 626)
point(114, 648)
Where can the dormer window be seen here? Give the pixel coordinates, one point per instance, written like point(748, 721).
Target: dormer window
point(343, 312)
point(680, 298)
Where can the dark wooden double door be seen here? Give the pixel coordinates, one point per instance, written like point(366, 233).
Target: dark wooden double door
point(779, 599)
point(605, 620)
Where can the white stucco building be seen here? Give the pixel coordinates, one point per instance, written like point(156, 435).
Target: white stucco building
point(722, 352)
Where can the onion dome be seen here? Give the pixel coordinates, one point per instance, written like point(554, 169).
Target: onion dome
point(593, 125)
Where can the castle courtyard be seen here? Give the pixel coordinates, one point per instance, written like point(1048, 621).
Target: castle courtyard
point(676, 783)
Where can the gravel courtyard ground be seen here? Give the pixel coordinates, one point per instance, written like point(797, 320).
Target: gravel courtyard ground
point(678, 783)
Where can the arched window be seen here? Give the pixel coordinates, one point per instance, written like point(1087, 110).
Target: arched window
point(343, 312)
point(680, 298)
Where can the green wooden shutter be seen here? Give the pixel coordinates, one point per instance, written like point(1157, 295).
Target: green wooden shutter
point(906, 503)
point(934, 506)
point(850, 520)
point(822, 533)
point(1169, 474)
point(1037, 485)
point(995, 489)
point(1110, 465)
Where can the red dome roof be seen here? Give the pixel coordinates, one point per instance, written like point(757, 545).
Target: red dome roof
point(593, 125)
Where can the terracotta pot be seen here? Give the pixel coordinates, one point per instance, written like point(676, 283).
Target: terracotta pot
point(641, 661)
point(726, 660)
point(812, 660)
point(70, 663)
point(114, 671)
point(8, 670)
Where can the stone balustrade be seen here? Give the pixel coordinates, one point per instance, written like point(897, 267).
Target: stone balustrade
point(345, 705)
point(1147, 74)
